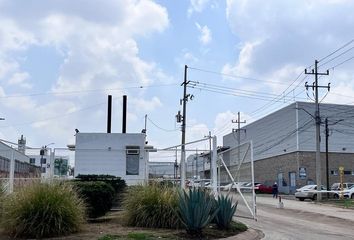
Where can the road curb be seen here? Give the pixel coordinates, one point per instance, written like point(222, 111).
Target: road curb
point(250, 234)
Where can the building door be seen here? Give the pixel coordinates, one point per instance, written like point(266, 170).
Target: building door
point(292, 177)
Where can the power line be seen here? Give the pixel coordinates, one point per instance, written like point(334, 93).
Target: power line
point(330, 60)
point(87, 91)
point(163, 129)
point(342, 62)
point(335, 51)
point(54, 117)
point(236, 76)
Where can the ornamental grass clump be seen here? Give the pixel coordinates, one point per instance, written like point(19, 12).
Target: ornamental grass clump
point(227, 209)
point(151, 206)
point(196, 209)
point(43, 210)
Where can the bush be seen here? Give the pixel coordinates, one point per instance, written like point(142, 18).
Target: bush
point(151, 206)
point(196, 210)
point(98, 197)
point(223, 218)
point(43, 210)
point(117, 183)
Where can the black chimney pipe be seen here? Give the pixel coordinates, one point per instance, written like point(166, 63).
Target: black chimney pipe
point(124, 125)
point(109, 114)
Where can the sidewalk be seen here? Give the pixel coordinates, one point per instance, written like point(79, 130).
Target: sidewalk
point(309, 206)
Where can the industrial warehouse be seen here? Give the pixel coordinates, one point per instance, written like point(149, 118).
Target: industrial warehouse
point(284, 145)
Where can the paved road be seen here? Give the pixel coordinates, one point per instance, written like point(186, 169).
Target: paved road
point(300, 220)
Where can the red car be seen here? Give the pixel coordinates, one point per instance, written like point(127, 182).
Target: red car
point(261, 188)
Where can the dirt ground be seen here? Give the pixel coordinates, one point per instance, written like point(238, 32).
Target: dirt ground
point(112, 225)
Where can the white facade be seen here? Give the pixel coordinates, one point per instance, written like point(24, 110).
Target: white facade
point(117, 154)
point(6, 151)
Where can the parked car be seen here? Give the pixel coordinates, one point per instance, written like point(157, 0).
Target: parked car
point(337, 186)
point(307, 192)
point(247, 187)
point(262, 188)
point(349, 193)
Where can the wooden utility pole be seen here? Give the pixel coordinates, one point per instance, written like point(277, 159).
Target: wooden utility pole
point(315, 87)
point(184, 101)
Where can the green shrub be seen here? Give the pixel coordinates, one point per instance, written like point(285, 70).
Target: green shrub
point(43, 210)
point(98, 197)
point(223, 218)
point(151, 206)
point(117, 183)
point(195, 210)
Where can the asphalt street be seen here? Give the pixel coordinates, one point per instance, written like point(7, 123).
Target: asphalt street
point(298, 220)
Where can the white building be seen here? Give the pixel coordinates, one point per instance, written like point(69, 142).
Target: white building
point(21, 166)
point(119, 154)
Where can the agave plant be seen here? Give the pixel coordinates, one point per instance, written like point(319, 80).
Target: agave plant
point(223, 218)
point(195, 210)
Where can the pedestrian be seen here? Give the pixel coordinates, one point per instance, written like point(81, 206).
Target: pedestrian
point(275, 190)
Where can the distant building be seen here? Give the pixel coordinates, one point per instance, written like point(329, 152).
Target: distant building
point(61, 166)
point(164, 170)
point(284, 145)
point(120, 154)
point(23, 169)
point(42, 161)
point(197, 164)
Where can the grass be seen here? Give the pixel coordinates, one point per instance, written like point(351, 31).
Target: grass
point(341, 203)
point(211, 232)
point(42, 210)
point(132, 235)
point(151, 206)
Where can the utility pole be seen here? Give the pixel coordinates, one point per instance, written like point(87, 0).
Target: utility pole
point(175, 169)
point(183, 118)
point(315, 87)
point(327, 175)
point(238, 130)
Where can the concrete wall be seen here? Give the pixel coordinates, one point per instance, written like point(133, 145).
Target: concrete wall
point(105, 153)
point(22, 167)
point(267, 170)
point(5, 152)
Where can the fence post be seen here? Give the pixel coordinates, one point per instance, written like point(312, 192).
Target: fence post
point(214, 159)
point(12, 172)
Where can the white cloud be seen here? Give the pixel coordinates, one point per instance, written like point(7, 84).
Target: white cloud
point(279, 38)
point(197, 6)
point(20, 79)
point(243, 65)
point(13, 37)
point(289, 31)
point(99, 47)
point(205, 34)
point(142, 105)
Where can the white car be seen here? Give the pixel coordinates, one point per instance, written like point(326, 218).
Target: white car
point(349, 193)
point(307, 192)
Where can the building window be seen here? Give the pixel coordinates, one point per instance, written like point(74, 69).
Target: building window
point(334, 172)
point(132, 160)
point(43, 169)
point(43, 160)
point(347, 172)
point(32, 161)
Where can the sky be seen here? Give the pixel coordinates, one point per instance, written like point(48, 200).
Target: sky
point(59, 60)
